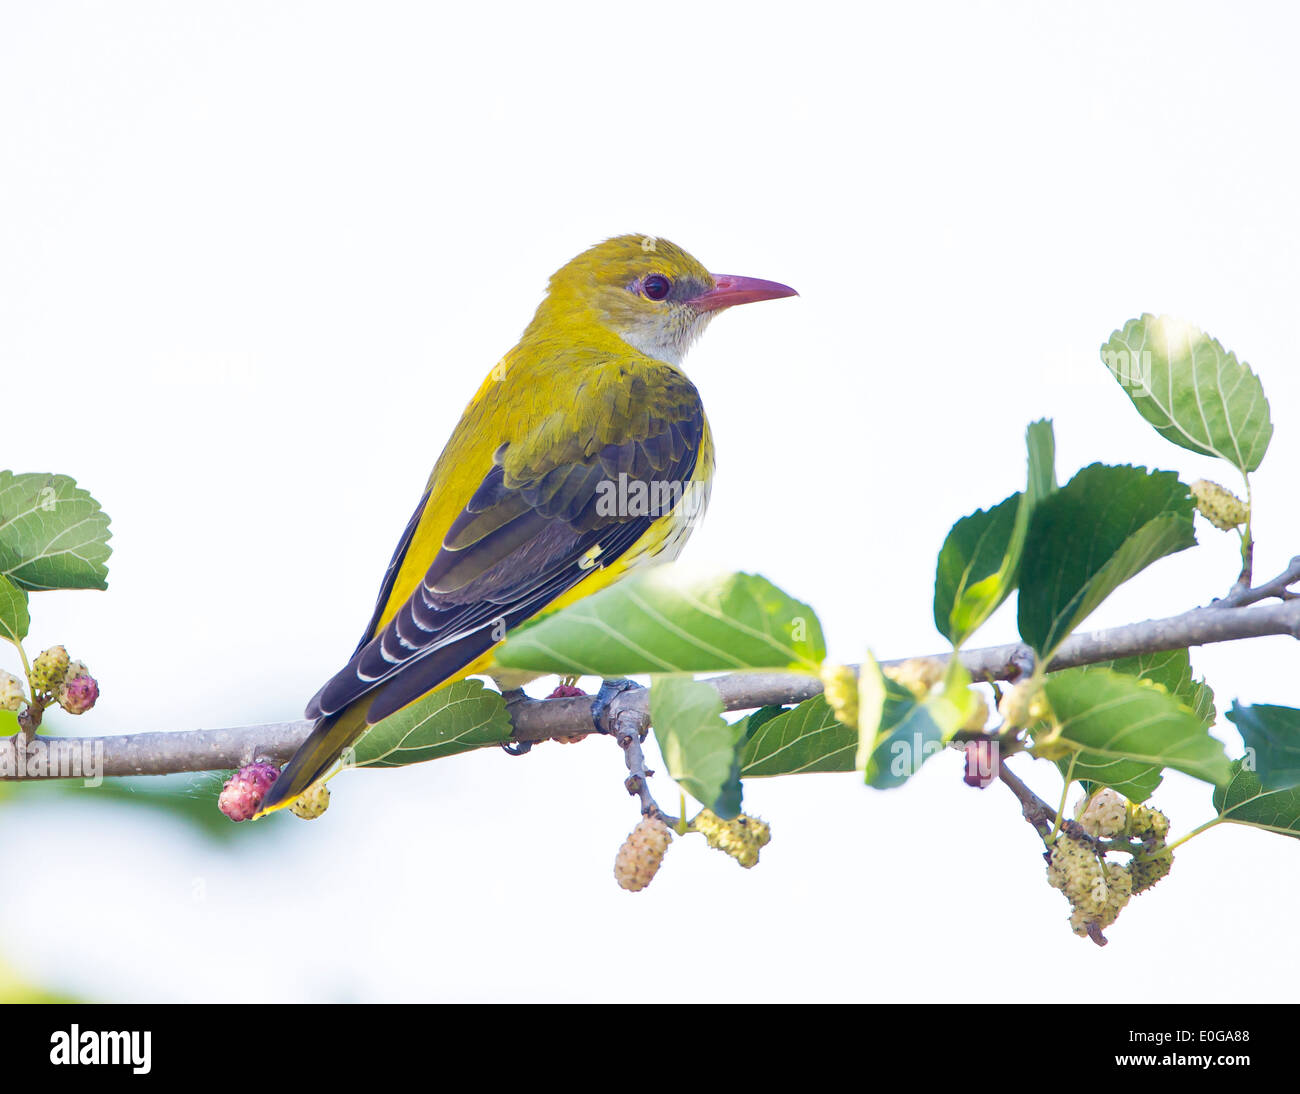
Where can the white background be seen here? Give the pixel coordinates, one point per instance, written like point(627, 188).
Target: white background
point(254, 259)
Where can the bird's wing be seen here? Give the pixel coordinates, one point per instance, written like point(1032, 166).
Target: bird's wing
point(394, 568)
point(541, 518)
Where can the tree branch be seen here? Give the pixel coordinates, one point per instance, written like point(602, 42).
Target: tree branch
point(542, 719)
point(630, 728)
point(1037, 812)
point(1241, 593)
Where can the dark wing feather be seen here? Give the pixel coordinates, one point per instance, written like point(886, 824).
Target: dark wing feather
point(514, 548)
point(423, 674)
point(390, 575)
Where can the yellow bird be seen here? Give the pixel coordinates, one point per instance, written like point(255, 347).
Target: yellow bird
point(584, 453)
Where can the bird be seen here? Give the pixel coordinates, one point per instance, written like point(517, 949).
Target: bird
point(584, 454)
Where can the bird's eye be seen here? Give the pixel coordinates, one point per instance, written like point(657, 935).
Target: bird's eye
point(656, 287)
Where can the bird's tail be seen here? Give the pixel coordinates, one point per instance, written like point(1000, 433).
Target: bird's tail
point(315, 756)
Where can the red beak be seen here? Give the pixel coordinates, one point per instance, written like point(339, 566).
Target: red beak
point(729, 290)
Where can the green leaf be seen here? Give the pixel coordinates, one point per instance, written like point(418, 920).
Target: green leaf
point(458, 718)
point(972, 577)
point(653, 622)
point(909, 731)
point(874, 695)
point(1192, 390)
point(751, 723)
point(980, 558)
point(1136, 781)
point(1274, 735)
point(14, 618)
point(805, 739)
point(1040, 439)
point(698, 745)
point(1112, 716)
point(189, 798)
point(1172, 670)
point(1243, 800)
point(1085, 540)
point(727, 804)
point(53, 535)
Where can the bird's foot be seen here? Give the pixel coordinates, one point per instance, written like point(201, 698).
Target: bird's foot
point(515, 748)
point(609, 689)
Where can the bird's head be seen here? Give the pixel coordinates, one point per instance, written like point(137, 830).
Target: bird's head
point(648, 292)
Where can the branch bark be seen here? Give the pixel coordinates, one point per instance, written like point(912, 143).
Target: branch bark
point(542, 719)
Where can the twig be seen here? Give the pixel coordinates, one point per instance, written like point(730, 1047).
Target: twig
point(1198, 627)
point(1045, 820)
point(630, 728)
point(1247, 576)
point(1280, 587)
point(150, 753)
point(1037, 812)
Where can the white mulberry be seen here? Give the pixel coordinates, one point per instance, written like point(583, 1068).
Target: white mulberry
point(639, 858)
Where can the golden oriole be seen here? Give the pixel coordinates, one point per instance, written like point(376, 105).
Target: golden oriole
point(525, 511)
